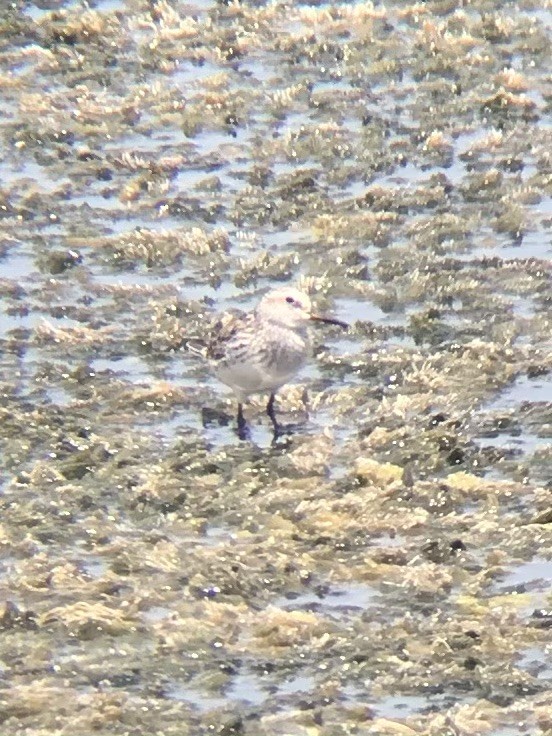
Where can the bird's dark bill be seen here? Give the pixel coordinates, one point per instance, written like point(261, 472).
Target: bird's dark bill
point(329, 321)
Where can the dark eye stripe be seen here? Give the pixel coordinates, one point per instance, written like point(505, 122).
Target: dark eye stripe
point(290, 299)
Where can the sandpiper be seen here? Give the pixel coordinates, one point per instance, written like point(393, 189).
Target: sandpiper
point(260, 351)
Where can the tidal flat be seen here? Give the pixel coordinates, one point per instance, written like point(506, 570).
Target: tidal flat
point(383, 569)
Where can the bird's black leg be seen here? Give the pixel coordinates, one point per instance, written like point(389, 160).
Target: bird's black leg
point(243, 431)
point(279, 429)
point(270, 409)
point(271, 413)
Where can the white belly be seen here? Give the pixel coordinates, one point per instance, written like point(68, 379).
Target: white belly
point(266, 369)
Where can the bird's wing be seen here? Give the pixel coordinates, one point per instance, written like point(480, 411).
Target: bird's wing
point(226, 333)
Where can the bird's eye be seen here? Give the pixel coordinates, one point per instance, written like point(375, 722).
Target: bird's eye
point(290, 300)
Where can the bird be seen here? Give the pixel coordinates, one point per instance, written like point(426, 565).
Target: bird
point(261, 350)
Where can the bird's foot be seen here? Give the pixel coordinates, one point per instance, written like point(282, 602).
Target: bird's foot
point(242, 428)
point(284, 430)
point(281, 429)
